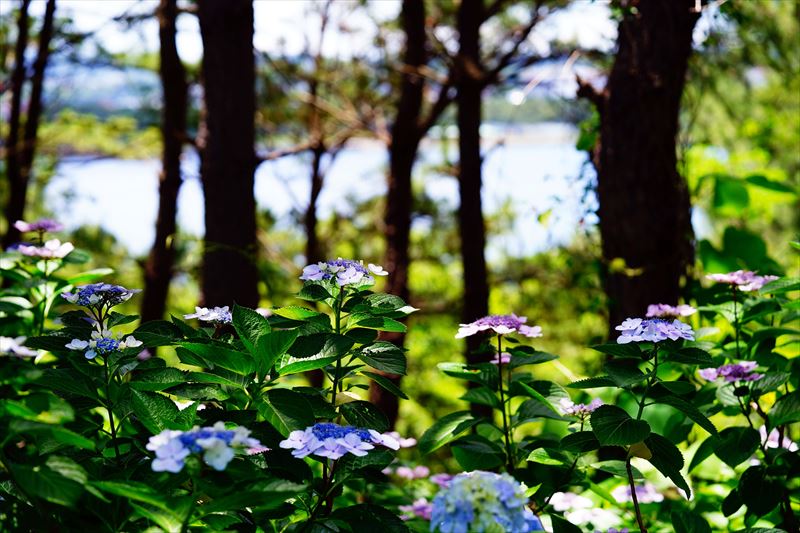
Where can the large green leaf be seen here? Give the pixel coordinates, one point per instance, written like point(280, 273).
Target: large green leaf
point(580, 442)
point(474, 452)
point(320, 345)
point(736, 445)
point(445, 430)
point(271, 346)
point(689, 522)
point(250, 326)
point(153, 410)
point(689, 410)
point(613, 426)
point(384, 356)
point(381, 323)
point(286, 410)
point(158, 379)
point(365, 415)
point(668, 460)
point(47, 484)
point(386, 384)
point(592, 383)
point(631, 350)
point(369, 517)
point(760, 491)
point(786, 410)
point(624, 373)
point(224, 357)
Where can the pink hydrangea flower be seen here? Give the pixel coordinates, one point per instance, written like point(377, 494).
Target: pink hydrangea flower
point(52, 249)
point(669, 311)
point(744, 280)
point(500, 324)
point(43, 225)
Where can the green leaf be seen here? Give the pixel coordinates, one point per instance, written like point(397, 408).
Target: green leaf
point(474, 452)
point(624, 373)
point(765, 183)
point(294, 312)
point(736, 445)
point(158, 333)
point(759, 491)
point(732, 503)
point(320, 345)
point(227, 358)
point(668, 460)
point(617, 468)
point(613, 426)
point(580, 442)
point(384, 356)
point(730, 194)
point(593, 383)
point(286, 410)
point(786, 410)
point(704, 451)
point(445, 430)
point(689, 356)
point(351, 466)
point(250, 326)
point(368, 517)
point(534, 409)
point(295, 366)
point(384, 303)
point(313, 292)
point(271, 346)
point(482, 373)
point(481, 396)
point(781, 286)
point(689, 410)
point(530, 359)
point(630, 350)
point(382, 323)
point(561, 525)
point(547, 456)
point(47, 484)
point(56, 432)
point(157, 379)
point(153, 410)
point(386, 383)
point(689, 522)
point(365, 415)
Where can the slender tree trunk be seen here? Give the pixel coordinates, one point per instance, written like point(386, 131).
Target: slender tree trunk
point(406, 137)
point(470, 211)
point(644, 202)
point(227, 152)
point(160, 262)
point(20, 156)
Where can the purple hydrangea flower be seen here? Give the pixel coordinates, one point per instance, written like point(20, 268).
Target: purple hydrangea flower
point(216, 443)
point(15, 346)
point(669, 311)
point(40, 226)
point(646, 493)
point(442, 480)
point(653, 330)
point(744, 280)
point(99, 295)
point(421, 508)
point(52, 249)
point(773, 440)
point(732, 373)
point(343, 272)
point(333, 441)
point(215, 315)
point(581, 410)
point(406, 472)
point(500, 324)
point(405, 442)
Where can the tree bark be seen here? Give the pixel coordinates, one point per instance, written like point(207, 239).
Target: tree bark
point(160, 263)
point(228, 160)
point(20, 156)
point(644, 209)
point(406, 136)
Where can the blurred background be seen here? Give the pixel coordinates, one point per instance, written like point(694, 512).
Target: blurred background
point(569, 161)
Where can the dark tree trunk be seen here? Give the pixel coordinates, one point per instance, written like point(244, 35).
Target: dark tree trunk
point(160, 262)
point(470, 212)
point(227, 153)
point(19, 161)
point(406, 137)
point(644, 202)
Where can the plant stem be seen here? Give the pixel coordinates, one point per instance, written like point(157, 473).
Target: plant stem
point(337, 312)
point(109, 408)
point(735, 320)
point(509, 450)
point(652, 379)
point(639, 519)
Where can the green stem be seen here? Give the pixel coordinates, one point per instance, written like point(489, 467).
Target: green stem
point(650, 382)
point(110, 409)
point(735, 320)
point(509, 449)
point(337, 311)
point(639, 519)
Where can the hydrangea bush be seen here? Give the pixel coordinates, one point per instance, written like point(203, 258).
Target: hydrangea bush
point(207, 422)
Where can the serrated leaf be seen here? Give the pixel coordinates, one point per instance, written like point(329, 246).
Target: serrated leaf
point(668, 460)
point(386, 383)
point(250, 326)
point(684, 521)
point(736, 445)
point(481, 396)
point(613, 426)
point(689, 410)
point(592, 383)
point(153, 410)
point(286, 410)
point(384, 356)
point(580, 442)
point(445, 430)
point(365, 415)
point(786, 410)
point(624, 373)
point(227, 358)
point(474, 452)
point(630, 350)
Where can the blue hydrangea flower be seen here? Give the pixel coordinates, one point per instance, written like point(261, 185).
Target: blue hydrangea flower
point(102, 343)
point(653, 330)
point(343, 272)
point(215, 315)
point(483, 501)
point(334, 441)
point(217, 444)
point(99, 295)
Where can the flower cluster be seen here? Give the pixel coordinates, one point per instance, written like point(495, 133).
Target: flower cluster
point(733, 372)
point(99, 295)
point(653, 330)
point(52, 249)
point(581, 510)
point(500, 324)
point(40, 226)
point(501, 358)
point(333, 441)
point(215, 315)
point(343, 271)
point(581, 410)
point(442, 480)
point(404, 442)
point(773, 440)
point(421, 508)
point(481, 501)
point(15, 346)
point(646, 493)
point(744, 280)
point(406, 472)
point(103, 343)
point(669, 311)
point(217, 444)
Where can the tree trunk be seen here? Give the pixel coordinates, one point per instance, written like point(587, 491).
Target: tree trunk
point(470, 212)
point(19, 159)
point(644, 202)
point(160, 262)
point(406, 137)
point(227, 153)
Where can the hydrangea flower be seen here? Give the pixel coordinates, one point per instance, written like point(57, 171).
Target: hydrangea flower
point(442, 480)
point(481, 501)
point(569, 501)
point(52, 249)
point(343, 271)
point(215, 315)
point(503, 358)
point(500, 324)
point(102, 343)
point(405, 442)
point(581, 410)
point(14, 346)
point(421, 508)
point(744, 280)
point(669, 311)
point(733, 372)
point(406, 472)
point(646, 493)
point(99, 295)
point(333, 441)
point(773, 440)
point(40, 226)
point(216, 443)
point(653, 330)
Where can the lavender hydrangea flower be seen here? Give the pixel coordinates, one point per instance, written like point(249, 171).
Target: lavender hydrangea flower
point(15, 346)
point(404, 442)
point(500, 324)
point(52, 249)
point(653, 330)
point(343, 272)
point(217, 444)
point(732, 373)
point(99, 295)
point(646, 493)
point(102, 343)
point(421, 508)
point(669, 311)
point(40, 226)
point(773, 440)
point(442, 480)
point(481, 501)
point(569, 501)
point(503, 358)
point(581, 410)
point(744, 280)
point(334, 441)
point(215, 315)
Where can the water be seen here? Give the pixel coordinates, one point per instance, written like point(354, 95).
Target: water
point(538, 175)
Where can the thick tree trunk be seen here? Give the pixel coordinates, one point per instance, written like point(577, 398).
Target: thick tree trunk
point(227, 153)
point(406, 137)
point(160, 262)
point(470, 212)
point(644, 202)
point(19, 161)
